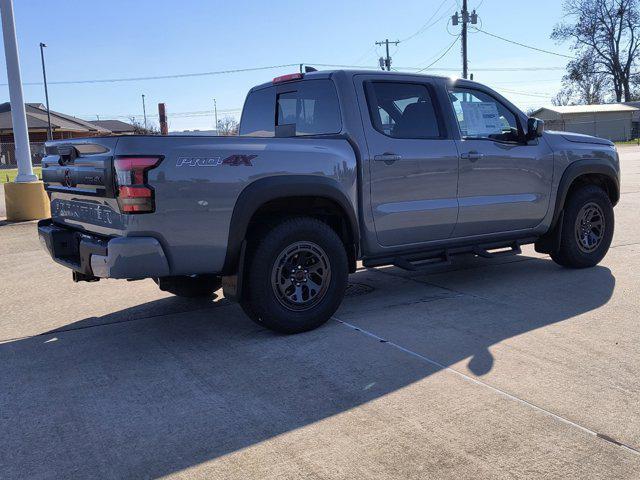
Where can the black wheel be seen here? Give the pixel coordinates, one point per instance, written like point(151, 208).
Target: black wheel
point(190, 286)
point(296, 276)
point(587, 228)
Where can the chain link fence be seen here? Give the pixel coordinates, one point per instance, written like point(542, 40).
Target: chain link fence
point(8, 154)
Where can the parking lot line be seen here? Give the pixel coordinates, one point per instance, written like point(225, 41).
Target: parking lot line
point(491, 387)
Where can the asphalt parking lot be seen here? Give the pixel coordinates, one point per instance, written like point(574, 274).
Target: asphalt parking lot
point(509, 368)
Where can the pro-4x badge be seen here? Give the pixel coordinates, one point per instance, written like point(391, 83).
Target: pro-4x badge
point(232, 160)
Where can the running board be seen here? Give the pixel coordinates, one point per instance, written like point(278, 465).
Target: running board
point(423, 264)
point(512, 250)
point(445, 258)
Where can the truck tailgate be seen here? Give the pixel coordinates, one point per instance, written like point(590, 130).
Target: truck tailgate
point(79, 176)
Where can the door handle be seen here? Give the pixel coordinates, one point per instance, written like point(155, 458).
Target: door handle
point(387, 158)
point(472, 156)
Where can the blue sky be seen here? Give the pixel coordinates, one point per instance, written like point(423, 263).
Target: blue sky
point(121, 39)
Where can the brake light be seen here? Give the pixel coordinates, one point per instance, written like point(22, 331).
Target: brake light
point(134, 194)
point(288, 78)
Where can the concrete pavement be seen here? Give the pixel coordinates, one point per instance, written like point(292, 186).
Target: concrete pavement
point(487, 369)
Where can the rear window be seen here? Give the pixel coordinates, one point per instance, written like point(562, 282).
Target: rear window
point(311, 107)
point(258, 114)
point(302, 108)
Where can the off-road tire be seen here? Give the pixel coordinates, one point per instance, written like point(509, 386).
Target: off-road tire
point(190, 286)
point(572, 253)
point(269, 259)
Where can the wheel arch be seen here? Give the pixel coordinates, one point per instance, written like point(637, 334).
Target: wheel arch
point(286, 195)
point(582, 172)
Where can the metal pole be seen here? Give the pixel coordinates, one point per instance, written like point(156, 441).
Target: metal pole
point(144, 112)
point(46, 92)
point(465, 21)
point(18, 113)
point(215, 113)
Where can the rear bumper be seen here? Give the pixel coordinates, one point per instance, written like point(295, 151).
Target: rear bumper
point(122, 257)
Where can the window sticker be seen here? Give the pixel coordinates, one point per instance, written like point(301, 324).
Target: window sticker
point(481, 118)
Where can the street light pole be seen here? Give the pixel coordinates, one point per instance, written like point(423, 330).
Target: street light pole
point(144, 112)
point(18, 113)
point(46, 92)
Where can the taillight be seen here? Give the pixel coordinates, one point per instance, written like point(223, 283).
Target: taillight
point(134, 194)
point(288, 78)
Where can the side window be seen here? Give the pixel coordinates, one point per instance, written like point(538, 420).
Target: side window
point(480, 116)
point(403, 110)
point(310, 108)
point(258, 114)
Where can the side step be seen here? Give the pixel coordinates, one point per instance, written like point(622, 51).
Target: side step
point(423, 264)
point(446, 257)
point(511, 250)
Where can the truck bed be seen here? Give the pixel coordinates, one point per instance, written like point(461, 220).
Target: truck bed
point(195, 187)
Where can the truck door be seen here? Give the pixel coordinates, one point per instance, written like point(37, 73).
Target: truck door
point(413, 162)
point(505, 181)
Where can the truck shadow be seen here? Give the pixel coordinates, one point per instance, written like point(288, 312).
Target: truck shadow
point(155, 395)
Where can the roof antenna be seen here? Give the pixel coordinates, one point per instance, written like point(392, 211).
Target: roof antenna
point(308, 69)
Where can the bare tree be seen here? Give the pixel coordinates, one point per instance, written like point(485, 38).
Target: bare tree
point(563, 97)
point(139, 128)
point(607, 32)
point(227, 126)
point(583, 84)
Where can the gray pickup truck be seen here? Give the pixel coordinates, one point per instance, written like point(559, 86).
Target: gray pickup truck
point(329, 168)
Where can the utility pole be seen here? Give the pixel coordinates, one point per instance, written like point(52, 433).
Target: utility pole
point(162, 115)
point(46, 92)
point(144, 112)
point(385, 63)
point(18, 113)
point(465, 18)
point(465, 58)
point(215, 114)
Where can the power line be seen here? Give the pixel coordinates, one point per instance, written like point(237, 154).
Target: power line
point(449, 69)
point(427, 24)
point(199, 113)
point(527, 94)
point(522, 44)
point(441, 56)
point(161, 77)
point(365, 55)
point(239, 70)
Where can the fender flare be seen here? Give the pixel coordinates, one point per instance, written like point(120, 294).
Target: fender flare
point(264, 190)
point(550, 241)
point(584, 167)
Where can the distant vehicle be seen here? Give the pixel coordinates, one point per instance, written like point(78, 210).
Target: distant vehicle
point(329, 168)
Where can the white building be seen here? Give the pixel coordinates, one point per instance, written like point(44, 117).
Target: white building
point(615, 121)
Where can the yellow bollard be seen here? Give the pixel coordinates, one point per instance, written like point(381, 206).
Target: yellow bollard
point(26, 201)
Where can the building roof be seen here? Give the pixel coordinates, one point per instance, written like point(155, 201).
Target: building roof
point(116, 126)
point(607, 107)
point(37, 120)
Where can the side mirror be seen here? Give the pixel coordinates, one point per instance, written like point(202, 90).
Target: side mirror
point(535, 128)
